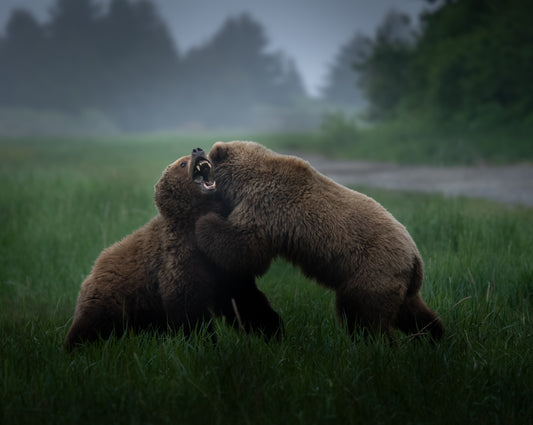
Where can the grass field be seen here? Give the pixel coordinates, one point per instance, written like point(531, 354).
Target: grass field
point(62, 202)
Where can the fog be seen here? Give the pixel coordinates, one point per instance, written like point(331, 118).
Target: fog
point(120, 66)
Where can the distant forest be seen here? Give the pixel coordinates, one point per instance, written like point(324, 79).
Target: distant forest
point(469, 65)
point(123, 63)
point(469, 62)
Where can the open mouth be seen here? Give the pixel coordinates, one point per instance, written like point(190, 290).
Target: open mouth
point(202, 174)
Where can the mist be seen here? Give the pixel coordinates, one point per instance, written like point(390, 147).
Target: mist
point(110, 67)
point(90, 69)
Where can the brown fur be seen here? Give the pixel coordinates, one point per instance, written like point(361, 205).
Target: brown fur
point(157, 278)
point(343, 239)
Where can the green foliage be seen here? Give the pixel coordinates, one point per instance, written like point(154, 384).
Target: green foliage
point(411, 139)
point(339, 131)
point(383, 73)
point(474, 59)
point(470, 66)
point(63, 201)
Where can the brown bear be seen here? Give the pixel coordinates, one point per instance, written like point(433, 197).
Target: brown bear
point(157, 278)
point(343, 239)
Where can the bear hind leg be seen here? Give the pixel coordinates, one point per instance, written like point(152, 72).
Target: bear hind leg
point(416, 318)
point(363, 313)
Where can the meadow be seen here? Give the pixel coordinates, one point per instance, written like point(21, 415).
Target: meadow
point(63, 201)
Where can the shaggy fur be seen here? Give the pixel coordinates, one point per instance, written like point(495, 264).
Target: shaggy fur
point(343, 239)
point(157, 278)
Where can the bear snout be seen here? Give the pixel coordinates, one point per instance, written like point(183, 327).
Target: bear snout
point(198, 152)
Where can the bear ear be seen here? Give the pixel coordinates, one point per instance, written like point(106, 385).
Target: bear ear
point(218, 153)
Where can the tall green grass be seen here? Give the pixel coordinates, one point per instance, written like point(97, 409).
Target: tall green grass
point(62, 202)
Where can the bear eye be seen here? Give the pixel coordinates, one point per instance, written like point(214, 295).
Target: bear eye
point(183, 164)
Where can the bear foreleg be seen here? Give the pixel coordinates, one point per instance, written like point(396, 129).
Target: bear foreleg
point(234, 248)
point(368, 311)
point(92, 324)
point(251, 309)
point(415, 317)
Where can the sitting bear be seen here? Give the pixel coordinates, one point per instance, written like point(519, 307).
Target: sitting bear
point(157, 278)
point(343, 239)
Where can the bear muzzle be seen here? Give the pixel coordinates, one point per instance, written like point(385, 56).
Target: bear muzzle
point(202, 170)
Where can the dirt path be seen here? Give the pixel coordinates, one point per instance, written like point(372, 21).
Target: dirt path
point(512, 184)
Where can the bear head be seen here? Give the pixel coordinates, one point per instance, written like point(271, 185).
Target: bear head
point(243, 167)
point(248, 170)
point(186, 187)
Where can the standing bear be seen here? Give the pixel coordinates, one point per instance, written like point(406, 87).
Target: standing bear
point(343, 239)
point(157, 277)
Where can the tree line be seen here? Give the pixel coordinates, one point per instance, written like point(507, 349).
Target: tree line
point(469, 64)
point(124, 63)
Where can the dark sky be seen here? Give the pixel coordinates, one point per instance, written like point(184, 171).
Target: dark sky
point(309, 31)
